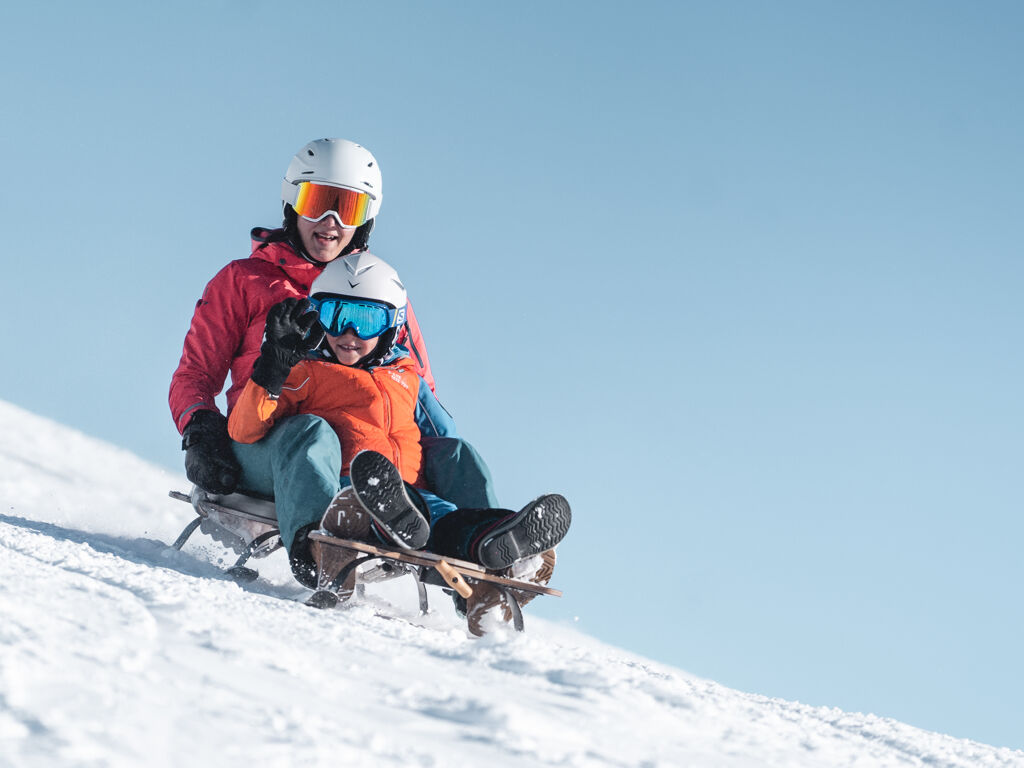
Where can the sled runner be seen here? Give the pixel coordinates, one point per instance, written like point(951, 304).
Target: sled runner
point(244, 524)
point(248, 526)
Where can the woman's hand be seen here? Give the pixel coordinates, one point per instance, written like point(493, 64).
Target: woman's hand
point(209, 460)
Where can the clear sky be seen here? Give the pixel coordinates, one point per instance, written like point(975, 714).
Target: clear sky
point(742, 280)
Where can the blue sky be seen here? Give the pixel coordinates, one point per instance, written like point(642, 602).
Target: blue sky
point(740, 279)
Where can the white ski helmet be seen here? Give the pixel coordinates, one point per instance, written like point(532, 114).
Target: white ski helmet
point(338, 162)
point(362, 276)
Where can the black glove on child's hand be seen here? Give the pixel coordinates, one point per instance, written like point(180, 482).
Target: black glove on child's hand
point(209, 461)
point(293, 329)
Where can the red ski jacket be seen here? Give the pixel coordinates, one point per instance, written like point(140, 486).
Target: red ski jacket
point(228, 323)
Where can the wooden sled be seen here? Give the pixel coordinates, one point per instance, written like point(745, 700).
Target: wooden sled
point(248, 526)
point(425, 568)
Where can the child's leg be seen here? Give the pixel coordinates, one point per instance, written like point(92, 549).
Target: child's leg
point(497, 538)
point(297, 464)
point(435, 507)
point(346, 518)
point(379, 487)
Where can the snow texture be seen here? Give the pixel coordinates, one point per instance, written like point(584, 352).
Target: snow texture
point(116, 650)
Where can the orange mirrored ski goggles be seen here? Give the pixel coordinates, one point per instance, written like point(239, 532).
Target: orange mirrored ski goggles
point(313, 201)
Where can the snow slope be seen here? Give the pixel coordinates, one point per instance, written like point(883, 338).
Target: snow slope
point(117, 651)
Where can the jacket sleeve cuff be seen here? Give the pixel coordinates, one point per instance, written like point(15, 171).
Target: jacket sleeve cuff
point(253, 414)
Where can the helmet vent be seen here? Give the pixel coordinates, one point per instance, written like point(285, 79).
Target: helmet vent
point(310, 152)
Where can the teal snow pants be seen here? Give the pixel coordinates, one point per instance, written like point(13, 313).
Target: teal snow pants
point(298, 465)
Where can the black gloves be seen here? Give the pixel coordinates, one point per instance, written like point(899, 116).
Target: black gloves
point(293, 329)
point(209, 462)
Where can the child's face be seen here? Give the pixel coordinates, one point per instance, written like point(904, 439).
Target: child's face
point(349, 348)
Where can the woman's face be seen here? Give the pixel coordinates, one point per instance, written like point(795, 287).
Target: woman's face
point(324, 240)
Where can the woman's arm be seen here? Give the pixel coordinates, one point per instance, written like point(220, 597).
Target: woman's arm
point(218, 324)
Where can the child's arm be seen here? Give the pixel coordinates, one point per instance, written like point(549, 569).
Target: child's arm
point(256, 410)
point(292, 330)
point(431, 416)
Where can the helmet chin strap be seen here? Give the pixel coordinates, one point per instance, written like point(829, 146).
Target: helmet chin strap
point(385, 344)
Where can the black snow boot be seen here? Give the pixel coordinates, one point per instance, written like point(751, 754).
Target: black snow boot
point(379, 487)
point(300, 558)
point(497, 538)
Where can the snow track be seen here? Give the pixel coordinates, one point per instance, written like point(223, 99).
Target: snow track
point(117, 651)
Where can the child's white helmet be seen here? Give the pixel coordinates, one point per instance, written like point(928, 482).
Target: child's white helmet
point(337, 162)
point(361, 276)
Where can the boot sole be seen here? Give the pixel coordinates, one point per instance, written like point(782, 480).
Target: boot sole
point(349, 530)
point(536, 528)
point(380, 490)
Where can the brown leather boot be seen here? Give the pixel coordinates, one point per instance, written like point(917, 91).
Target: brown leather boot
point(486, 608)
point(345, 518)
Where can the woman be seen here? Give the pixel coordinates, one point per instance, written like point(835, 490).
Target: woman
point(331, 195)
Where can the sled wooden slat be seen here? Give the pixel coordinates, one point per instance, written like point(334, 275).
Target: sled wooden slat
point(467, 570)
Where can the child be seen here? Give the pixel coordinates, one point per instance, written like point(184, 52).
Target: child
point(335, 356)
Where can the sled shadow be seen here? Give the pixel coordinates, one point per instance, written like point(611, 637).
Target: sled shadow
point(145, 551)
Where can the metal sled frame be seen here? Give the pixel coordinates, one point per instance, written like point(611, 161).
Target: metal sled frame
point(245, 524)
point(248, 526)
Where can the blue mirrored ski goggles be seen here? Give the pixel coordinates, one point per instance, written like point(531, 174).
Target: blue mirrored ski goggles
point(368, 319)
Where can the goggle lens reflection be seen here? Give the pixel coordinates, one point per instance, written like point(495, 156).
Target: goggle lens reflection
point(314, 201)
point(368, 319)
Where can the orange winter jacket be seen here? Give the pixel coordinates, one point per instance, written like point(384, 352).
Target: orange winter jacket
point(374, 409)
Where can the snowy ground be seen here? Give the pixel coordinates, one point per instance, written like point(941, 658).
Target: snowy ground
point(117, 651)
